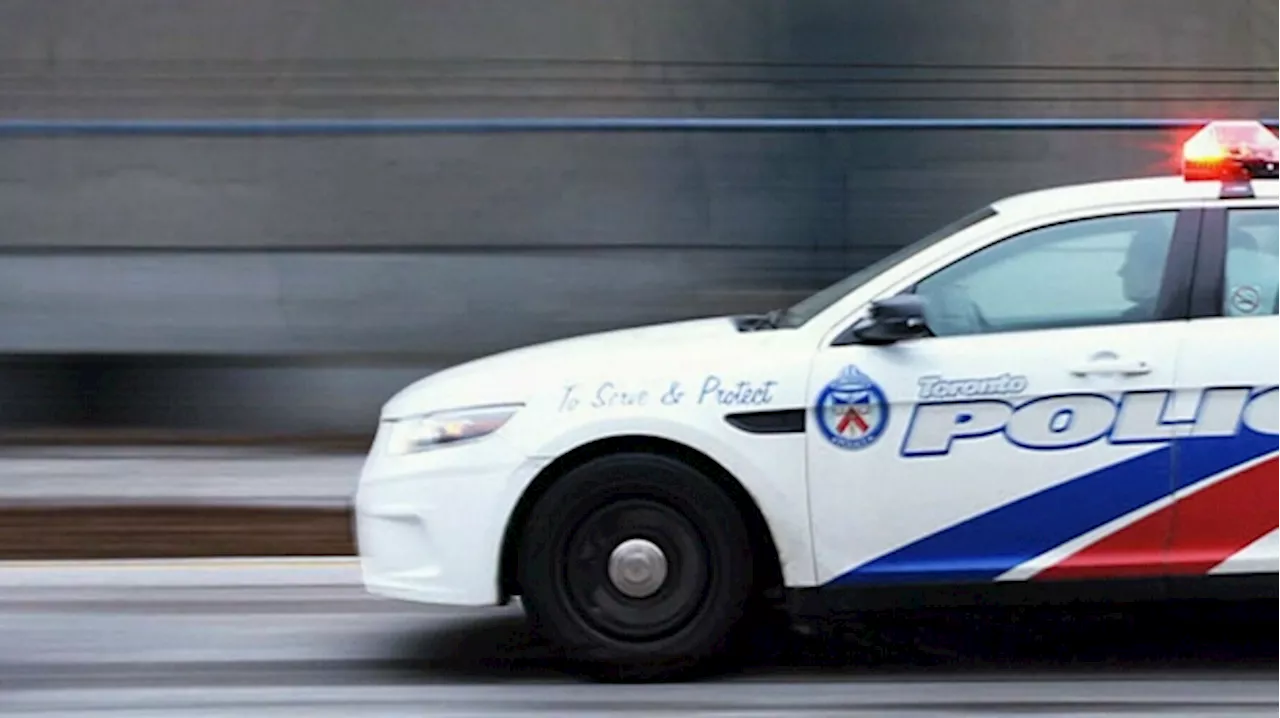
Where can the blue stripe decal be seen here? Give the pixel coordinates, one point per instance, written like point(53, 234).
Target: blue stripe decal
point(988, 545)
point(1199, 459)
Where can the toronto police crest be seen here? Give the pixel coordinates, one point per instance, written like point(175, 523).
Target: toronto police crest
point(852, 411)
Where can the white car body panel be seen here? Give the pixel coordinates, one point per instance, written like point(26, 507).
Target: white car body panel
point(561, 382)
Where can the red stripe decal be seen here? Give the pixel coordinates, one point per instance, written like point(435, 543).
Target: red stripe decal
point(1134, 551)
point(1223, 519)
point(1207, 527)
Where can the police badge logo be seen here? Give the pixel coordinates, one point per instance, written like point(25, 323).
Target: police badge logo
point(852, 410)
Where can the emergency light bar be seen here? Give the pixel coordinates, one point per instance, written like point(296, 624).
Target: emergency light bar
point(1231, 151)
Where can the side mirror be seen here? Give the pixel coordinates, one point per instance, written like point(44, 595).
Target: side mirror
point(890, 320)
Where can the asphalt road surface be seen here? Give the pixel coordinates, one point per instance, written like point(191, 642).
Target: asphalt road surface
point(297, 638)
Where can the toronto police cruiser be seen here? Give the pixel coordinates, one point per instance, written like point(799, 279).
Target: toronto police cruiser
point(1068, 393)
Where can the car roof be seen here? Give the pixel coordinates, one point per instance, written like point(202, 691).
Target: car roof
point(1120, 192)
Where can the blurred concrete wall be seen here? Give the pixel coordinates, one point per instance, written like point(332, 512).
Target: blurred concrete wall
point(293, 284)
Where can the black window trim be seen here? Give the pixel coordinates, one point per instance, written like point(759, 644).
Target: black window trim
point(1176, 290)
point(1211, 265)
point(1175, 300)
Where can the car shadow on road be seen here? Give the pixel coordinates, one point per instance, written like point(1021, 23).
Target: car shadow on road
point(1192, 637)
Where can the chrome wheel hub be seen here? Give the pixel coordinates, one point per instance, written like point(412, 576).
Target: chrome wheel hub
point(637, 568)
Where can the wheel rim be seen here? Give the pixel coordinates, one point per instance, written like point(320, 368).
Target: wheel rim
point(634, 570)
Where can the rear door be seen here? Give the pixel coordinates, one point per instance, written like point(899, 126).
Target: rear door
point(1226, 486)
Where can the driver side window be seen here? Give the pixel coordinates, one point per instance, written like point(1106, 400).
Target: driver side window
point(1101, 270)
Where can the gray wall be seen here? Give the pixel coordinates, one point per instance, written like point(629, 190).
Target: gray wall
point(293, 283)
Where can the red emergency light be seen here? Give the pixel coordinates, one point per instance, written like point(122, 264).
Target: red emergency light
point(1231, 151)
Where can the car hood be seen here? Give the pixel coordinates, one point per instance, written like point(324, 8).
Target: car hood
point(511, 376)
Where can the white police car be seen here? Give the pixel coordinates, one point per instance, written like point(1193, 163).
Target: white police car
point(1069, 393)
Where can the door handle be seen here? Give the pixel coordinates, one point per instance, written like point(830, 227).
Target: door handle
point(1112, 366)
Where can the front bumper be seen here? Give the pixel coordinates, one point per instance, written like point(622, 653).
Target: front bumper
point(429, 526)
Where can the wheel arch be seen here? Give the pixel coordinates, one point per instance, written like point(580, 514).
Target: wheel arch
point(768, 565)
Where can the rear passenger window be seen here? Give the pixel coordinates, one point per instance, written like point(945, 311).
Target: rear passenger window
point(1251, 285)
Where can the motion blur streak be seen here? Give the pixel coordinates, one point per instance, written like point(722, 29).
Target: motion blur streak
point(342, 127)
point(282, 219)
point(294, 637)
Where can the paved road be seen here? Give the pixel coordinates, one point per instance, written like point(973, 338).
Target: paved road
point(99, 475)
point(296, 638)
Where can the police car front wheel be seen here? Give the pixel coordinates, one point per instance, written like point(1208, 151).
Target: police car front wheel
point(637, 565)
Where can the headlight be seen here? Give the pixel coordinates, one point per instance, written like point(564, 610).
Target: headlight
point(429, 431)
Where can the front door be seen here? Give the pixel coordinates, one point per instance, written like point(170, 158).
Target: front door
point(1020, 440)
point(1226, 484)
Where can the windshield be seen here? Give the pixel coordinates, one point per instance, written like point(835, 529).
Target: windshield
point(811, 306)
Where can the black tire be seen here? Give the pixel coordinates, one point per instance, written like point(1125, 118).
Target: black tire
point(604, 633)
